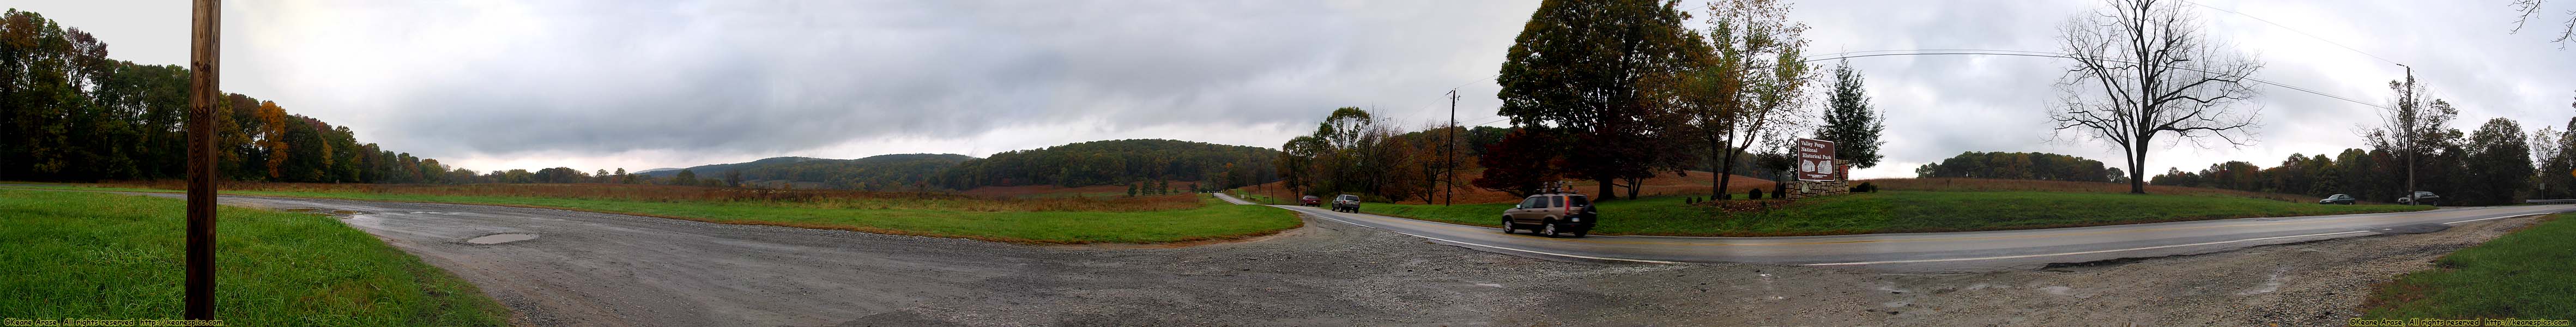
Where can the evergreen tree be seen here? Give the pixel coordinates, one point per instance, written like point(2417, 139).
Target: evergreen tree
point(1850, 122)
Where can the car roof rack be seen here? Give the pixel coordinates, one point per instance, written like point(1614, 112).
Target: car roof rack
point(1558, 187)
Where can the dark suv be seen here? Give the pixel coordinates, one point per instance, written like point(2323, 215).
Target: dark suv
point(1552, 214)
point(2423, 198)
point(1346, 203)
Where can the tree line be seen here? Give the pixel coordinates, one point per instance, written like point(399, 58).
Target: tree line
point(1353, 151)
point(1616, 92)
point(2020, 165)
point(2496, 164)
point(1116, 162)
point(74, 114)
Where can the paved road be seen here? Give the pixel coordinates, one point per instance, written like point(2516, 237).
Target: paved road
point(1959, 251)
point(594, 269)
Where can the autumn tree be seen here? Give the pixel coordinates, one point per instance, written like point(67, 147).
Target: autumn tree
point(1575, 68)
point(1519, 164)
point(273, 138)
point(2145, 68)
point(1745, 91)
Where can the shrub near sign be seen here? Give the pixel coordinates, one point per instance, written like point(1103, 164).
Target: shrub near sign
point(1815, 160)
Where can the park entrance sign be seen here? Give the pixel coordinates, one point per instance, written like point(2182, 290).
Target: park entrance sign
point(1817, 173)
point(1816, 160)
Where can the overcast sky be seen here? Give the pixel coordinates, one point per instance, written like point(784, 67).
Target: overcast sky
point(646, 84)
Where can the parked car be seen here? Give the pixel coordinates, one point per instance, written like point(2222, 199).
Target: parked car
point(1346, 203)
point(2338, 199)
point(1311, 201)
point(1552, 214)
point(2423, 198)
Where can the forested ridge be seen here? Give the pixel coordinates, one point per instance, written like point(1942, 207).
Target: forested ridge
point(1117, 162)
point(877, 173)
point(74, 114)
point(1072, 165)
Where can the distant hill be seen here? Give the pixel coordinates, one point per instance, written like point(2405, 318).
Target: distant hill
point(718, 170)
point(647, 171)
point(885, 172)
point(1117, 162)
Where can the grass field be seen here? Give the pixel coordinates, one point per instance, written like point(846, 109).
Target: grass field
point(1901, 212)
point(107, 256)
point(2530, 274)
point(1049, 220)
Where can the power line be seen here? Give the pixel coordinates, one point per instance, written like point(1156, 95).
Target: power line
point(2293, 30)
point(2018, 53)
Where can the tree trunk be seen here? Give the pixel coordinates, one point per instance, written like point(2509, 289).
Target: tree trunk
point(1606, 188)
point(1633, 185)
point(2138, 163)
point(1724, 167)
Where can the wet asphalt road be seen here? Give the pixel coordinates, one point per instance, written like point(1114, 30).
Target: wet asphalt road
point(1945, 252)
point(592, 269)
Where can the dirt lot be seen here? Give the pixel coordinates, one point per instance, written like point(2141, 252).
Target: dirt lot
point(590, 269)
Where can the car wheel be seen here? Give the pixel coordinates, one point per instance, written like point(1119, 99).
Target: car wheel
point(1547, 228)
point(1579, 233)
point(1509, 226)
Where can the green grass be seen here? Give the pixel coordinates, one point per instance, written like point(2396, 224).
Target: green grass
point(2530, 274)
point(109, 256)
point(928, 217)
point(1902, 212)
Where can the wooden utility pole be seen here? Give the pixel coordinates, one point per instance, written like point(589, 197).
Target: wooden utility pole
point(202, 93)
point(2408, 99)
point(1449, 166)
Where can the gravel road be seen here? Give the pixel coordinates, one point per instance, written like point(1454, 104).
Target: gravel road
point(591, 269)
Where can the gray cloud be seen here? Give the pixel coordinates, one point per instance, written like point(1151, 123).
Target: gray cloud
point(674, 83)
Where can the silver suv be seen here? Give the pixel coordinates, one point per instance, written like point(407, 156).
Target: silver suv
point(1552, 214)
point(1346, 203)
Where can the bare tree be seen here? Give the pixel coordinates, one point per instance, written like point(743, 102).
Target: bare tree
point(2143, 68)
point(2566, 31)
point(2411, 126)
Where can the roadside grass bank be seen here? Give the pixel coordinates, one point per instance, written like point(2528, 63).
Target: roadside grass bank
point(2529, 274)
point(1992, 185)
point(1042, 220)
point(1899, 212)
point(110, 256)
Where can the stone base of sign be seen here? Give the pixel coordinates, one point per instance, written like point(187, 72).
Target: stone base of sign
point(1804, 189)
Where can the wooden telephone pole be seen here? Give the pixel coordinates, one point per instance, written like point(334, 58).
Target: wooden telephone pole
point(1449, 165)
point(202, 93)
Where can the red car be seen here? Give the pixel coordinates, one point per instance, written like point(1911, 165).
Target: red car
point(1312, 201)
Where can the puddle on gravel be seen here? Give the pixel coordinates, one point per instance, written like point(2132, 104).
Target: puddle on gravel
point(501, 238)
